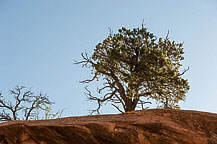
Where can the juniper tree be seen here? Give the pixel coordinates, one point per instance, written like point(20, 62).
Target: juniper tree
point(136, 66)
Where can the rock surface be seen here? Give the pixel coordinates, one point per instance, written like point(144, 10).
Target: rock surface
point(155, 126)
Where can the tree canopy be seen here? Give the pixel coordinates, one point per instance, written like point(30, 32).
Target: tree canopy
point(137, 66)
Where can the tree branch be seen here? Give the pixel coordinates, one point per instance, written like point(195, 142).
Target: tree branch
point(89, 80)
point(142, 103)
point(106, 97)
point(117, 108)
point(21, 97)
point(184, 71)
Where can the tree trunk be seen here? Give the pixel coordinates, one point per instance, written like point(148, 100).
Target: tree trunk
point(130, 106)
point(14, 115)
point(166, 106)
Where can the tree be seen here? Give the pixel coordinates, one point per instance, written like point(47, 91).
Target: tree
point(136, 66)
point(24, 101)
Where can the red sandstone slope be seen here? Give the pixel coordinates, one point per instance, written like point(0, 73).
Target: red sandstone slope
point(157, 126)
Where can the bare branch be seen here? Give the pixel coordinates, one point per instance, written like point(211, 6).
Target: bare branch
point(5, 116)
point(89, 80)
point(167, 37)
point(22, 98)
point(3, 104)
point(141, 102)
point(121, 101)
point(117, 108)
point(29, 110)
point(107, 97)
point(110, 31)
point(87, 60)
point(184, 71)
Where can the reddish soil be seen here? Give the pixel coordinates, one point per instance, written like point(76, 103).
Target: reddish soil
point(155, 126)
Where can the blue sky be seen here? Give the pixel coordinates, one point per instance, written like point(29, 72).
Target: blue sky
point(39, 41)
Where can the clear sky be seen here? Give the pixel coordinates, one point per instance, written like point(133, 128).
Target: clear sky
point(40, 39)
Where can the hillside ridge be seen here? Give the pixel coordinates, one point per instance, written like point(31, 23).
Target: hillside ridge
point(153, 126)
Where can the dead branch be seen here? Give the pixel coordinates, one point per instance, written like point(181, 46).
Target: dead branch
point(117, 108)
point(87, 60)
point(89, 80)
point(25, 100)
point(185, 70)
point(5, 116)
point(107, 97)
point(141, 102)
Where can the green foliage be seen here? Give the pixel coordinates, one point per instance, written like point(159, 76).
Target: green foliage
point(140, 65)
